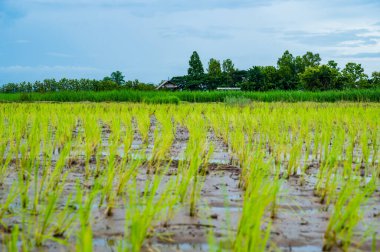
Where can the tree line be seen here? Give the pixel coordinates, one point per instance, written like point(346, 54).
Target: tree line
point(291, 73)
point(113, 82)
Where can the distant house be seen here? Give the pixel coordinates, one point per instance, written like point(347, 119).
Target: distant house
point(167, 85)
point(228, 89)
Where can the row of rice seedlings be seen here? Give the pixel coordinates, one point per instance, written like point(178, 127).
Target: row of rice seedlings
point(84, 235)
point(250, 236)
point(127, 137)
point(6, 210)
point(221, 130)
point(141, 210)
point(142, 116)
point(109, 174)
point(5, 158)
point(347, 213)
point(194, 167)
point(93, 139)
point(164, 134)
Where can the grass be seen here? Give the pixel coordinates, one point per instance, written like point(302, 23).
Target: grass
point(162, 97)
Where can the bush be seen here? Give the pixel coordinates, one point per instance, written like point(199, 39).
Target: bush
point(162, 100)
point(25, 97)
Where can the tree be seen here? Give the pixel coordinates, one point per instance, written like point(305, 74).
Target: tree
point(321, 78)
point(375, 79)
point(354, 76)
point(260, 78)
point(214, 69)
point(287, 71)
point(105, 85)
point(333, 64)
point(311, 60)
point(255, 79)
point(271, 77)
point(117, 77)
point(195, 66)
point(239, 76)
point(228, 67)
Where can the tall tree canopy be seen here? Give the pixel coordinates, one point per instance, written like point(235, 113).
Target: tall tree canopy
point(214, 68)
point(354, 76)
point(376, 79)
point(117, 77)
point(195, 66)
point(322, 77)
point(287, 71)
point(228, 67)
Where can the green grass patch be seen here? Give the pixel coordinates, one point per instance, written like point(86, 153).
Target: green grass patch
point(165, 97)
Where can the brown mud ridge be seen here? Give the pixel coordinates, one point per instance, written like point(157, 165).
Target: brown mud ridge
point(299, 225)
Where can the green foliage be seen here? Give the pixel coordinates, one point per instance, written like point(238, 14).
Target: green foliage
point(118, 78)
point(51, 85)
point(309, 60)
point(195, 66)
point(375, 81)
point(228, 67)
point(321, 78)
point(260, 79)
point(162, 100)
point(287, 71)
point(303, 72)
point(25, 97)
point(214, 68)
point(365, 95)
point(354, 76)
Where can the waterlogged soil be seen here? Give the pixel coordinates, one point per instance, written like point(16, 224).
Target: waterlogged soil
point(299, 225)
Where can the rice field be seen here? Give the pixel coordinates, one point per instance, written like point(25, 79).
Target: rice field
point(190, 177)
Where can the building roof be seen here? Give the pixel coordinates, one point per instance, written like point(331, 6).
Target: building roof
point(165, 83)
point(228, 88)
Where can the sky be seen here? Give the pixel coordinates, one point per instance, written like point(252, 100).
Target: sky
point(152, 40)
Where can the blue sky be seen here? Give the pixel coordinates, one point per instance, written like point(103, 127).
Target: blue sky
point(152, 40)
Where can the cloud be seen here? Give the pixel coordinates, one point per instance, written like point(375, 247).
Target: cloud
point(143, 7)
point(333, 38)
point(42, 68)
point(183, 32)
point(363, 55)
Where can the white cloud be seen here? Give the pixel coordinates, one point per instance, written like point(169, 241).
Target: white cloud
point(28, 69)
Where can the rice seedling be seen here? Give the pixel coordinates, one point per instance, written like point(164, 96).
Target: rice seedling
point(250, 236)
point(5, 206)
point(140, 212)
point(163, 138)
point(66, 168)
point(84, 234)
point(346, 215)
point(12, 242)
